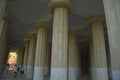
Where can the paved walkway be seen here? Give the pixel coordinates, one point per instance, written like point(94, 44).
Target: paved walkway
point(10, 77)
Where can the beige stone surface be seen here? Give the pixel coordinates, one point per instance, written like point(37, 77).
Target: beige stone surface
point(60, 38)
point(47, 60)
point(3, 42)
point(112, 10)
point(72, 53)
point(113, 26)
point(20, 57)
point(26, 45)
point(31, 49)
point(2, 8)
point(31, 55)
point(40, 47)
point(99, 50)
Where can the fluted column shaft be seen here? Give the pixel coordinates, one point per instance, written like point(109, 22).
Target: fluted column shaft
point(73, 63)
point(78, 62)
point(1, 26)
point(27, 42)
point(3, 40)
point(2, 8)
point(31, 56)
point(99, 66)
point(59, 9)
point(112, 14)
point(47, 60)
point(40, 53)
point(20, 56)
point(59, 44)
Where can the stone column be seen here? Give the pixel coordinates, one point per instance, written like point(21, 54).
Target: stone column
point(73, 67)
point(3, 35)
point(31, 55)
point(78, 61)
point(112, 14)
point(20, 56)
point(92, 58)
point(99, 64)
point(60, 10)
point(2, 8)
point(3, 29)
point(40, 50)
point(26, 45)
point(47, 60)
point(1, 26)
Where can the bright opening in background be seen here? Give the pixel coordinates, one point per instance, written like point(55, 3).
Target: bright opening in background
point(12, 58)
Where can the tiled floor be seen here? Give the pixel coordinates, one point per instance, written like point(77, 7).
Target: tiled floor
point(6, 77)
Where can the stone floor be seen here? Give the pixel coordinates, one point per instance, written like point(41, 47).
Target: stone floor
point(23, 78)
point(10, 77)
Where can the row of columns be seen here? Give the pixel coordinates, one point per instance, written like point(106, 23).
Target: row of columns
point(64, 64)
point(43, 56)
point(59, 54)
point(98, 55)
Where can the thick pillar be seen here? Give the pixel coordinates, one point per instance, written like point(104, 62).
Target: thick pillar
point(3, 40)
point(112, 14)
point(47, 60)
point(31, 55)
point(26, 45)
point(2, 8)
point(60, 10)
point(92, 60)
point(1, 26)
point(99, 64)
point(78, 61)
point(20, 56)
point(73, 67)
point(40, 50)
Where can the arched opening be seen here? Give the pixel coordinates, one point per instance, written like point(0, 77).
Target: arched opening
point(12, 59)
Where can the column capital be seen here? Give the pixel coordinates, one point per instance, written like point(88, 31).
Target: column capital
point(95, 19)
point(73, 31)
point(5, 16)
point(31, 35)
point(52, 4)
point(41, 23)
point(8, 18)
point(26, 41)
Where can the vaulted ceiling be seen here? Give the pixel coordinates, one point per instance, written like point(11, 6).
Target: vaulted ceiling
point(25, 12)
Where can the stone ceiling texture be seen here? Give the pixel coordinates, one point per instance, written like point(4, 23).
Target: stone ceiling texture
point(26, 12)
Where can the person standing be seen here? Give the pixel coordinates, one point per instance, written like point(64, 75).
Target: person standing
point(15, 70)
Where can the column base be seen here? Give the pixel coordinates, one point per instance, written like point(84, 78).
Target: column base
point(99, 73)
point(38, 73)
point(58, 74)
point(72, 73)
point(0, 69)
point(116, 74)
point(78, 72)
point(25, 70)
point(46, 71)
point(29, 72)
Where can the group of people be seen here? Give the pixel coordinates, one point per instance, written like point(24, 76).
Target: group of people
point(16, 70)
